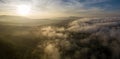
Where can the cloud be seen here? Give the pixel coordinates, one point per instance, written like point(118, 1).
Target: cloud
point(93, 37)
point(69, 7)
point(92, 24)
point(54, 32)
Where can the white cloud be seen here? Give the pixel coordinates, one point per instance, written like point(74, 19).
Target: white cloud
point(57, 6)
point(54, 32)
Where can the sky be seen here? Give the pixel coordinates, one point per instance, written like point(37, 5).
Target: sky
point(61, 8)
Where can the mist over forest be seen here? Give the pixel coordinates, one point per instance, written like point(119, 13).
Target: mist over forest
point(61, 38)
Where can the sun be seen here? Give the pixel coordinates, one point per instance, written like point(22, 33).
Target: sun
point(23, 10)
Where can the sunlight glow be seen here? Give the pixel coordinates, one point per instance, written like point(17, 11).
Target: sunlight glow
point(23, 10)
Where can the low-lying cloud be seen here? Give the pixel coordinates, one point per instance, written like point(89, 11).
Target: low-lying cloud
point(83, 38)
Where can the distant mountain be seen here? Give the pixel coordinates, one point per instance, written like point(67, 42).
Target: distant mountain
point(19, 20)
point(14, 19)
